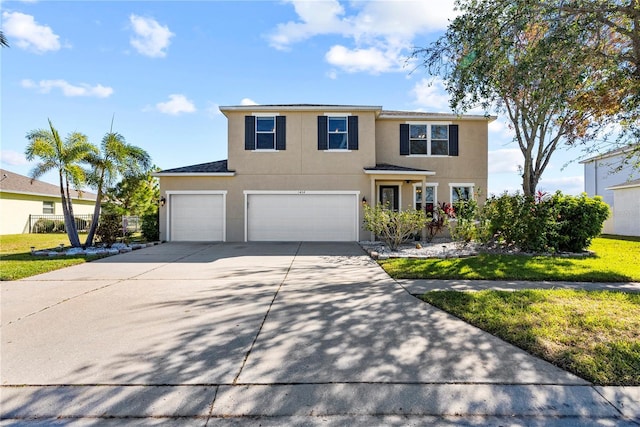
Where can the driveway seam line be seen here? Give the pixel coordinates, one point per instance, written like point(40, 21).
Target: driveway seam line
point(213, 402)
point(117, 281)
point(62, 302)
point(246, 356)
point(608, 401)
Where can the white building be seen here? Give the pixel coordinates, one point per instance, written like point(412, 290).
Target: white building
point(608, 176)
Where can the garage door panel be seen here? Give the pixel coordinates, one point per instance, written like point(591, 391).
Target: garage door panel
point(306, 217)
point(197, 217)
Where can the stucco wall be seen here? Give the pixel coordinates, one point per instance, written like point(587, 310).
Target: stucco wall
point(16, 208)
point(235, 198)
point(626, 215)
point(599, 174)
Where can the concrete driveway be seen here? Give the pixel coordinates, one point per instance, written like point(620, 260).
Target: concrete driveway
point(300, 333)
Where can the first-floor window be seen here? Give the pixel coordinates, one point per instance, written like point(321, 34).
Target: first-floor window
point(48, 207)
point(461, 193)
point(425, 200)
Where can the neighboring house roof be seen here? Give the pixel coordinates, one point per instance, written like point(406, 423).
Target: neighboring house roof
point(628, 184)
point(20, 184)
point(218, 168)
point(624, 150)
point(385, 168)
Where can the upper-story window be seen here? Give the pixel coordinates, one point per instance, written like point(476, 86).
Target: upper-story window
point(422, 139)
point(338, 135)
point(430, 140)
point(265, 132)
point(337, 132)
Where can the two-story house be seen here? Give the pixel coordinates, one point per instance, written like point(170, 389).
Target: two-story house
point(303, 172)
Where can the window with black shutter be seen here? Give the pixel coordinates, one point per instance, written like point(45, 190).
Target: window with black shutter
point(265, 133)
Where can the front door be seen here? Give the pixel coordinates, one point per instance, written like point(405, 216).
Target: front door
point(389, 196)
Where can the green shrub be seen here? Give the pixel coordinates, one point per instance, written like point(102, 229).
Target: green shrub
point(545, 224)
point(393, 227)
point(580, 219)
point(151, 226)
point(43, 226)
point(109, 229)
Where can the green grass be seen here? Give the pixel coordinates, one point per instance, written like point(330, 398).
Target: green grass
point(616, 260)
point(16, 261)
point(594, 334)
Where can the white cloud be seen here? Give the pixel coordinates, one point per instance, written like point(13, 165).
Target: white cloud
point(13, 158)
point(151, 38)
point(248, 101)
point(381, 31)
point(505, 160)
point(29, 34)
point(176, 105)
point(431, 95)
point(81, 89)
point(371, 59)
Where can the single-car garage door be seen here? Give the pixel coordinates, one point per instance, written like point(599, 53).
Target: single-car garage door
point(302, 216)
point(197, 217)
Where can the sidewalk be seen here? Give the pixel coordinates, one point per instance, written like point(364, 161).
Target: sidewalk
point(420, 286)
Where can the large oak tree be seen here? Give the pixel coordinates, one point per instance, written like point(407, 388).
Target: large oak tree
point(545, 65)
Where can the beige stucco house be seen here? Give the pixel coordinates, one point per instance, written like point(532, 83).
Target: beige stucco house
point(22, 197)
point(302, 172)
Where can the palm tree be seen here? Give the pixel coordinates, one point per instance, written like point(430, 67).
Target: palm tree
point(116, 158)
point(3, 40)
point(65, 157)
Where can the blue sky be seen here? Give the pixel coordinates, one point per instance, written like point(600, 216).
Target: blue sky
point(162, 68)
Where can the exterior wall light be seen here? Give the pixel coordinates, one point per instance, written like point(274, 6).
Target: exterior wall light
point(163, 201)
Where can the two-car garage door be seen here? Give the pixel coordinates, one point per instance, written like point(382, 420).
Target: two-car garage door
point(301, 216)
point(269, 216)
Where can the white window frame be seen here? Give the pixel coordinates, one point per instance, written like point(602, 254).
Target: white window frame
point(255, 135)
point(48, 204)
point(415, 193)
point(453, 185)
point(428, 138)
point(344, 116)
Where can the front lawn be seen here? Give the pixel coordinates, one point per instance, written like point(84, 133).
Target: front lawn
point(16, 261)
point(616, 260)
point(594, 334)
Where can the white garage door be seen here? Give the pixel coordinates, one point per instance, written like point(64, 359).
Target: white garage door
point(197, 217)
point(307, 217)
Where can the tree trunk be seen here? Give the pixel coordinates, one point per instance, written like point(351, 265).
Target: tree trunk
point(96, 218)
point(69, 222)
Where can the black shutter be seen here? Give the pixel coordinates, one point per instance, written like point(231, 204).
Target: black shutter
point(404, 139)
point(323, 142)
point(249, 133)
point(281, 132)
point(453, 140)
point(353, 133)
